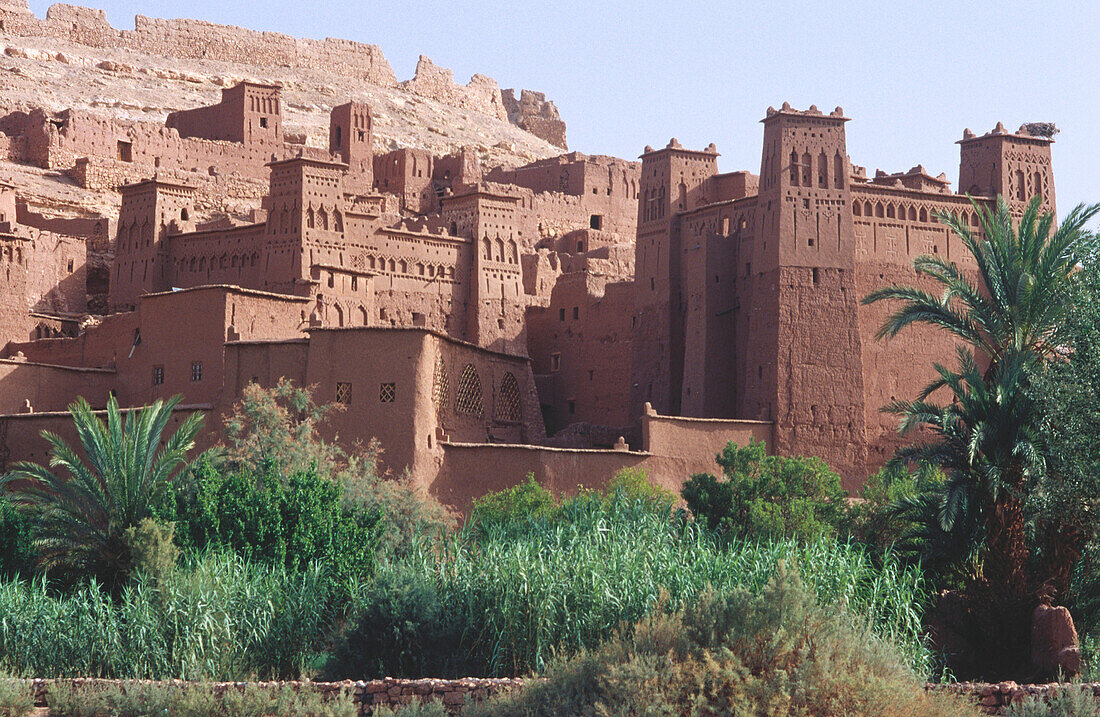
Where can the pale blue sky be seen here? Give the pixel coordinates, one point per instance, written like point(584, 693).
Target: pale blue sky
point(911, 75)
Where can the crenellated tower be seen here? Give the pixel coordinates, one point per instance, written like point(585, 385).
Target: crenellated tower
point(351, 137)
point(673, 180)
point(803, 356)
point(1014, 165)
point(151, 211)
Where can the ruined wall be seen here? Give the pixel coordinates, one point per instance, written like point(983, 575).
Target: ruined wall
point(535, 114)
point(580, 347)
point(481, 94)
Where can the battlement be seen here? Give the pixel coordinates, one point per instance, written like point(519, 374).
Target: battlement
point(813, 111)
point(1038, 132)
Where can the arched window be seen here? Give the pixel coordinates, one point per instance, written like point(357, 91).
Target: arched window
point(500, 250)
point(339, 315)
point(912, 214)
point(807, 170)
point(878, 210)
point(146, 232)
point(794, 167)
point(890, 211)
point(419, 268)
point(867, 211)
point(923, 214)
point(508, 406)
point(337, 221)
point(403, 267)
point(513, 252)
point(468, 396)
point(1037, 179)
point(823, 171)
point(840, 168)
point(309, 218)
point(393, 266)
point(1021, 188)
point(856, 208)
point(322, 219)
point(362, 316)
point(487, 247)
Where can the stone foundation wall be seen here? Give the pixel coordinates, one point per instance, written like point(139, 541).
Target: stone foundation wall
point(454, 694)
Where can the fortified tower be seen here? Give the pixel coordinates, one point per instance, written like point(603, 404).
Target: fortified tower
point(673, 180)
point(1016, 166)
point(151, 210)
point(803, 353)
point(304, 213)
point(351, 137)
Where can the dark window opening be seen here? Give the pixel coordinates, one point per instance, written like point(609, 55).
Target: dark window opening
point(343, 393)
point(561, 314)
point(572, 406)
point(595, 221)
point(387, 392)
point(70, 265)
point(263, 122)
point(815, 276)
point(196, 371)
point(555, 362)
point(576, 312)
point(125, 151)
point(158, 375)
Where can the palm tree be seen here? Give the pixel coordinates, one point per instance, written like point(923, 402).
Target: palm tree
point(1010, 316)
point(83, 511)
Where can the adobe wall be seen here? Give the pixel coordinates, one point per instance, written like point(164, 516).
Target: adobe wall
point(481, 94)
point(688, 439)
point(21, 439)
point(48, 386)
point(580, 347)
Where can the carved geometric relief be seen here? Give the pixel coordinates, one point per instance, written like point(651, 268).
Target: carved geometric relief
point(468, 397)
point(508, 404)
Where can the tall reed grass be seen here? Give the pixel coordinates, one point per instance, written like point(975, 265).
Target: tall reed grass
point(220, 618)
point(503, 601)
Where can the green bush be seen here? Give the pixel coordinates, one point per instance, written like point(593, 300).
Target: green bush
point(260, 516)
point(520, 502)
point(17, 555)
point(15, 697)
point(873, 519)
point(775, 651)
point(768, 497)
point(1068, 701)
point(429, 708)
point(192, 700)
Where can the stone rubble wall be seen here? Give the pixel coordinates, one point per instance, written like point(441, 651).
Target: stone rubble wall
point(535, 114)
point(200, 40)
point(454, 694)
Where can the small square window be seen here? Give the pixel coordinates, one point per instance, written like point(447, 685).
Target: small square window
point(196, 370)
point(158, 375)
point(263, 122)
point(387, 392)
point(343, 393)
point(555, 362)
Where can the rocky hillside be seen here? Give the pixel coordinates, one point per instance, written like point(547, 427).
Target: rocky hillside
point(102, 72)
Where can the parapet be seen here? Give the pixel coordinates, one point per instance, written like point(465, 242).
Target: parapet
point(1038, 131)
point(813, 111)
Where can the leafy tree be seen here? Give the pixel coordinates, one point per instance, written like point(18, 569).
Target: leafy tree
point(766, 496)
point(263, 516)
point(1011, 317)
point(82, 511)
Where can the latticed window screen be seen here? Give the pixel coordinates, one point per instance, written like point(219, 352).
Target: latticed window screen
point(440, 383)
point(468, 397)
point(343, 393)
point(508, 406)
point(387, 392)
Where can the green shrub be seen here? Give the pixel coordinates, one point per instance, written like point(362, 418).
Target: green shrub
point(767, 497)
point(428, 708)
point(775, 651)
point(15, 697)
point(17, 555)
point(1068, 701)
point(520, 502)
point(873, 519)
point(136, 699)
point(260, 516)
point(152, 548)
